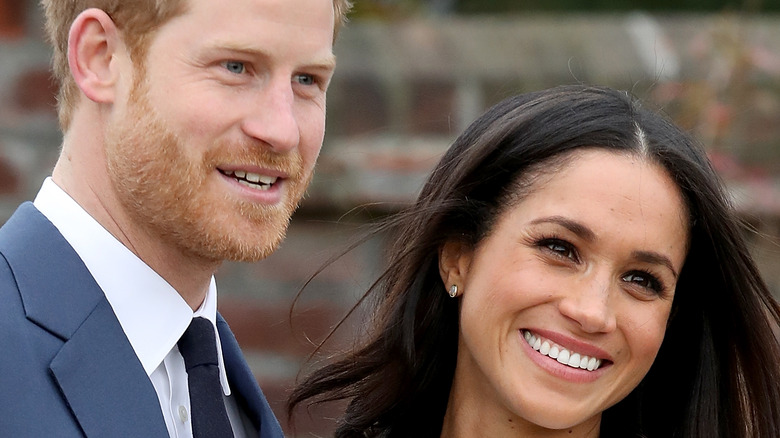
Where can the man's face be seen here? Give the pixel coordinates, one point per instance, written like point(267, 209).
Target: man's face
point(223, 125)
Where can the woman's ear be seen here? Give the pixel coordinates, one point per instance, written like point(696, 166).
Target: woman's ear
point(92, 43)
point(454, 262)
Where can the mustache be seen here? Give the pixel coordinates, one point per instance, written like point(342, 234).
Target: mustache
point(255, 154)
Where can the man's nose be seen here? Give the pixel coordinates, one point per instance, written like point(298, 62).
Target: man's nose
point(272, 118)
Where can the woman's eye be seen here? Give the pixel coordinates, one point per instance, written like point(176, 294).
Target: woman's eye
point(644, 280)
point(561, 248)
point(235, 67)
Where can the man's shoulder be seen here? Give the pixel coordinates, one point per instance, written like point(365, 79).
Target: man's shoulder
point(31, 250)
point(43, 282)
point(25, 224)
point(16, 250)
point(29, 239)
point(11, 241)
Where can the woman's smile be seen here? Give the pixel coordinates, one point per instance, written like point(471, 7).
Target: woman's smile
point(545, 347)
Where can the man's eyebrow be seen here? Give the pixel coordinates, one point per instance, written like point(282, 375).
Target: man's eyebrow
point(575, 227)
point(327, 62)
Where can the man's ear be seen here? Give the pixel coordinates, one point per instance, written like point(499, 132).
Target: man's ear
point(454, 263)
point(92, 43)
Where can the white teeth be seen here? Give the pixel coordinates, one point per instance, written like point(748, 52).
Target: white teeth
point(254, 180)
point(562, 355)
point(262, 179)
point(252, 185)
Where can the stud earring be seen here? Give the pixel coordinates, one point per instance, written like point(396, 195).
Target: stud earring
point(453, 291)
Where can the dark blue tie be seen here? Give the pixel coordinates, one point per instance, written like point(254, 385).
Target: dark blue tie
point(198, 347)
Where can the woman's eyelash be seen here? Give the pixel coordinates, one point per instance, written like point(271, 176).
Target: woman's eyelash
point(563, 249)
point(559, 247)
point(646, 280)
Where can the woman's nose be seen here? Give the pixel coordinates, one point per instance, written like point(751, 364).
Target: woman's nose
point(589, 304)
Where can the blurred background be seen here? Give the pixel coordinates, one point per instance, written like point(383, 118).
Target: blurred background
point(411, 75)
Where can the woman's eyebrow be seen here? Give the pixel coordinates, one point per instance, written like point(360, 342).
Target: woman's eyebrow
point(580, 229)
point(655, 259)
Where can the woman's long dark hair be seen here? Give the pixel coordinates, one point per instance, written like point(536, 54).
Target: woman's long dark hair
point(717, 373)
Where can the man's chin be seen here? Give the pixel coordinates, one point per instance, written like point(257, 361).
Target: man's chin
point(246, 250)
point(250, 256)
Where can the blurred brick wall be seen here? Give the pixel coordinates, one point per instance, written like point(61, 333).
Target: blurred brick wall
point(12, 18)
point(401, 94)
point(29, 137)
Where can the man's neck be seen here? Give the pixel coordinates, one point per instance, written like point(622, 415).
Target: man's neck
point(188, 274)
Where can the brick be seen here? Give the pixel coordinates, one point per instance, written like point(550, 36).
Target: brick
point(267, 326)
point(309, 420)
point(361, 105)
point(433, 106)
point(263, 326)
point(10, 177)
point(35, 91)
point(12, 19)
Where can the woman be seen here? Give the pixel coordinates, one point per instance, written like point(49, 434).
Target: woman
point(571, 267)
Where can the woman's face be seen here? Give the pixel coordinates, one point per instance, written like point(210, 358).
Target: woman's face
point(581, 271)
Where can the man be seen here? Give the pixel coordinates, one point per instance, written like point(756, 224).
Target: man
point(191, 128)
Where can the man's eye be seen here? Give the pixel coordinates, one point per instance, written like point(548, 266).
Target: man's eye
point(305, 79)
point(234, 67)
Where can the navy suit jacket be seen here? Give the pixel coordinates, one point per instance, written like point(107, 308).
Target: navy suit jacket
point(66, 367)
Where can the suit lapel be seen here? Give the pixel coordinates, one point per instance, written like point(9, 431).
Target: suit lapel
point(97, 370)
point(104, 383)
point(244, 384)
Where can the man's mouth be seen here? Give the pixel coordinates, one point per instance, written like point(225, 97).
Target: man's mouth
point(567, 357)
point(252, 180)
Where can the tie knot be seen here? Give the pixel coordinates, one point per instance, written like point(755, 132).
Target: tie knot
point(198, 345)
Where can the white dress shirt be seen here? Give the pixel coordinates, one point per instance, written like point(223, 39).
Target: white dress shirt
point(152, 314)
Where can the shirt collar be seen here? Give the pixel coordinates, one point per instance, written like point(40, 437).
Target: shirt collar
point(152, 314)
